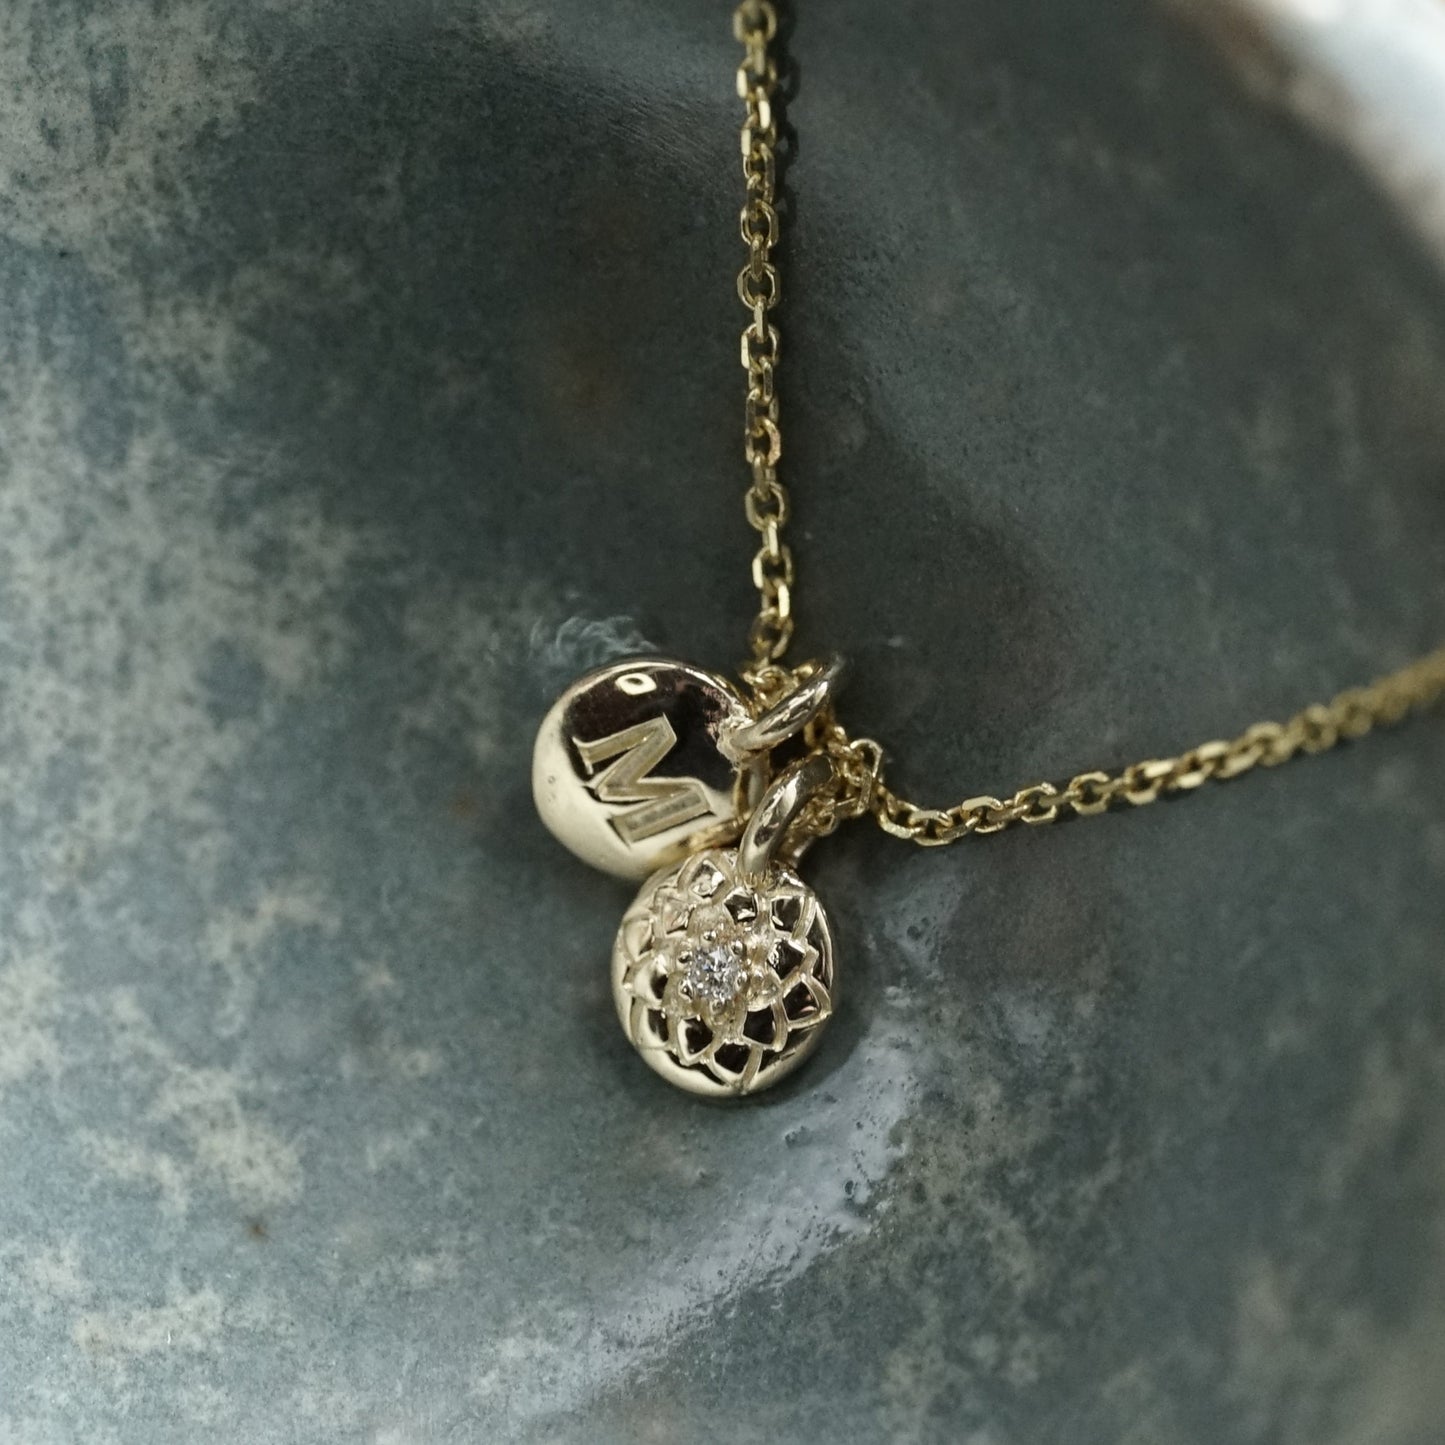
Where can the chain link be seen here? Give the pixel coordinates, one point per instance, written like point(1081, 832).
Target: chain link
point(858, 787)
point(755, 24)
point(1314, 729)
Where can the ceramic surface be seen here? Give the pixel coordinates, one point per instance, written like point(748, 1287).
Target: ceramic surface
point(369, 371)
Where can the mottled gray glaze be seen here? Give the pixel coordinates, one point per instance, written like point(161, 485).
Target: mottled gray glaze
point(369, 369)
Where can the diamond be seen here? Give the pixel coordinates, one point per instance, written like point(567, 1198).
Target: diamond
point(714, 973)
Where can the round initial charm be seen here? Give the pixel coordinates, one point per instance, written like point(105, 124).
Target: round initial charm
point(629, 771)
point(722, 980)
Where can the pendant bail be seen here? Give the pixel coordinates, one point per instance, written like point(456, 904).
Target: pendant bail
point(777, 810)
point(789, 716)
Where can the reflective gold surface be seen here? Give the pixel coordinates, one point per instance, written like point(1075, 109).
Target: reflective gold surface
point(628, 770)
point(722, 983)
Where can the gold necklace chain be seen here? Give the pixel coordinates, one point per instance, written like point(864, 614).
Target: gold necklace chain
point(756, 25)
point(859, 786)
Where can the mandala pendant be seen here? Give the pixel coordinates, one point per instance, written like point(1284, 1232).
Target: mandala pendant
point(723, 970)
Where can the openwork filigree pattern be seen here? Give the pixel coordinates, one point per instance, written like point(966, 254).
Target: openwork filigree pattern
point(721, 985)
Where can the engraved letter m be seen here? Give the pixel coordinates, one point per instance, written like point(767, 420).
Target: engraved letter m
point(660, 803)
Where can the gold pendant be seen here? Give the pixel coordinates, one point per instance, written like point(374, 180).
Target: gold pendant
point(649, 768)
point(723, 970)
point(639, 764)
point(631, 770)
